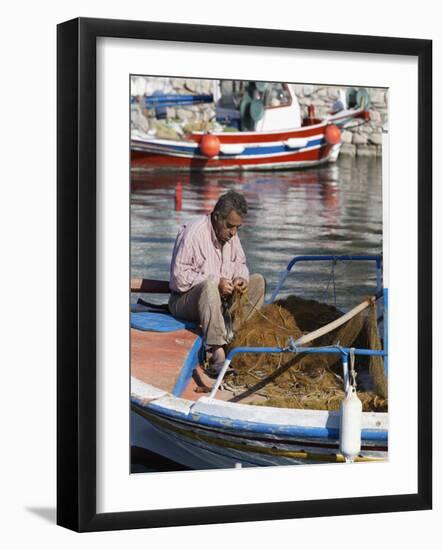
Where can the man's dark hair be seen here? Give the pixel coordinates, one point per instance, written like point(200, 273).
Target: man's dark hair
point(231, 201)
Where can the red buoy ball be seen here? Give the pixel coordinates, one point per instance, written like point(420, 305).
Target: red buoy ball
point(332, 134)
point(210, 145)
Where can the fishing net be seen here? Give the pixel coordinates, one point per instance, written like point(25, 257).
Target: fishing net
point(297, 380)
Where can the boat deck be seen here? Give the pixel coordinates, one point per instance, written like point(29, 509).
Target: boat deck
point(157, 358)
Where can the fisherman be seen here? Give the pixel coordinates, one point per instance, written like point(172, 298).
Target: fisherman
point(208, 265)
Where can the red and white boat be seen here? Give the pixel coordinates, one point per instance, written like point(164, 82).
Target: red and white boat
point(262, 130)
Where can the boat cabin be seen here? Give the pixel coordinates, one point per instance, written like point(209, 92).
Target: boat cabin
point(256, 106)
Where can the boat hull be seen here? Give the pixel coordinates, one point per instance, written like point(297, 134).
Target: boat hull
point(210, 434)
point(147, 160)
point(202, 449)
point(277, 150)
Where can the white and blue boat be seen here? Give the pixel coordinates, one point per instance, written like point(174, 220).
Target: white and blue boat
point(170, 417)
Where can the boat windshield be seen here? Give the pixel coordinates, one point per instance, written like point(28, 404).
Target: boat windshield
point(277, 95)
point(272, 94)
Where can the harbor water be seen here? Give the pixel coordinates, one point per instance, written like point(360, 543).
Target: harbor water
point(335, 210)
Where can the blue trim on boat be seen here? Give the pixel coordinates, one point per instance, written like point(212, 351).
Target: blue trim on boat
point(188, 368)
point(302, 349)
point(328, 257)
point(320, 258)
point(171, 100)
point(203, 419)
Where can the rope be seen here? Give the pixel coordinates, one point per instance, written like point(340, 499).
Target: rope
point(331, 278)
point(227, 317)
point(254, 307)
point(356, 125)
point(352, 370)
point(337, 266)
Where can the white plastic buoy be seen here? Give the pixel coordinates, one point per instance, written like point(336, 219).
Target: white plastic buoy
point(350, 425)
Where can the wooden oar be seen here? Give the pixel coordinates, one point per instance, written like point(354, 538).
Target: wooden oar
point(306, 338)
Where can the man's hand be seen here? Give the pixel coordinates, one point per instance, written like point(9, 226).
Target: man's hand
point(225, 287)
point(241, 285)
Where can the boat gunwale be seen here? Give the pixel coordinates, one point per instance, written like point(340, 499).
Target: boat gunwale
point(349, 113)
point(193, 144)
point(326, 425)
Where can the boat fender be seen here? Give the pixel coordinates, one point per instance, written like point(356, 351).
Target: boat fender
point(350, 425)
point(209, 145)
point(332, 134)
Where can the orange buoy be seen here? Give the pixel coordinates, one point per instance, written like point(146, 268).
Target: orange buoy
point(210, 145)
point(332, 134)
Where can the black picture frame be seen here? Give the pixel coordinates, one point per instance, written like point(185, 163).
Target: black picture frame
point(76, 264)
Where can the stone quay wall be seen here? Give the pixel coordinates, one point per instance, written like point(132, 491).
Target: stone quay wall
point(359, 139)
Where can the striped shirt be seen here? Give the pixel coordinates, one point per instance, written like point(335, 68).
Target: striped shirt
point(198, 255)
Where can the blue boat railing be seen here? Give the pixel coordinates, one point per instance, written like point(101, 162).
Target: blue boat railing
point(174, 100)
point(382, 305)
point(377, 258)
point(160, 101)
point(344, 352)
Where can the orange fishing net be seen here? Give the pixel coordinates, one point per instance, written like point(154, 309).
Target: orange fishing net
point(307, 381)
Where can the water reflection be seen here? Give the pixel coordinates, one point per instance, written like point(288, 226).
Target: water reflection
point(336, 209)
